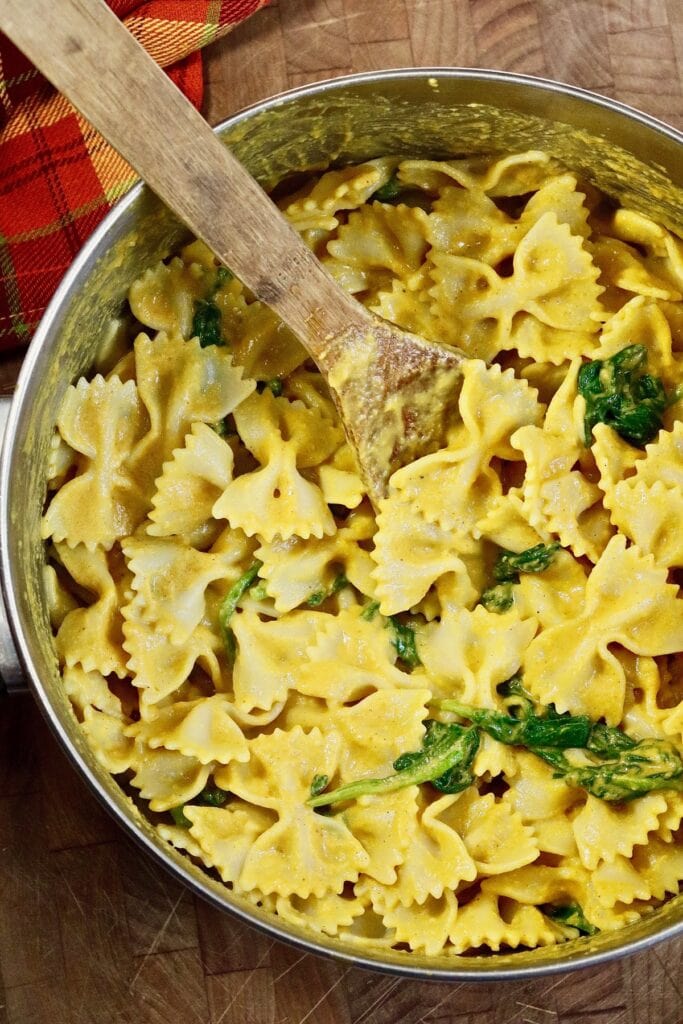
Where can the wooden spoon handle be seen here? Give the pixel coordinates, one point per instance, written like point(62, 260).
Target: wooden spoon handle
point(83, 49)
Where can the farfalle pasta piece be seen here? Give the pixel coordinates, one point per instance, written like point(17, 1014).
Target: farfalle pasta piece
point(340, 481)
point(433, 175)
point(553, 278)
point(377, 244)
point(672, 722)
point(542, 802)
point(621, 266)
point(545, 377)
point(554, 594)
point(568, 883)
point(642, 320)
point(106, 737)
point(204, 729)
point(257, 898)
point(343, 189)
point(198, 252)
point(309, 387)
point(90, 690)
point(180, 839)
point(190, 484)
point(351, 658)
point(670, 820)
point(58, 599)
point(424, 928)
point(493, 404)
point(457, 589)
point(307, 712)
point(377, 730)
point(628, 602)
point(469, 653)
point(663, 459)
point(638, 229)
point(384, 826)
point(455, 486)
point(572, 505)
point(512, 175)
point(642, 715)
point(558, 426)
point(298, 571)
point(102, 717)
point(235, 308)
point(650, 516)
point(494, 921)
point(257, 718)
point(101, 421)
point(506, 176)
point(408, 304)
point(61, 460)
point(663, 251)
point(493, 833)
point(271, 655)
point(276, 499)
point(604, 830)
point(438, 860)
point(180, 383)
point(566, 297)
point(469, 305)
point(225, 835)
point(533, 339)
point(620, 881)
point(92, 636)
point(507, 523)
point(368, 931)
point(614, 458)
point(559, 195)
point(163, 297)
point(411, 554)
point(537, 883)
point(493, 759)
point(326, 914)
point(170, 580)
point(165, 777)
point(673, 311)
point(303, 853)
point(644, 493)
point(452, 488)
point(468, 223)
point(660, 866)
point(263, 345)
point(157, 665)
point(555, 836)
point(559, 499)
point(560, 416)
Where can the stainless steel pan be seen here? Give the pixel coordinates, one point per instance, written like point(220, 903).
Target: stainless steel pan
point(435, 113)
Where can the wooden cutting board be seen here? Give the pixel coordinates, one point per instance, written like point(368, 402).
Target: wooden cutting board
point(91, 931)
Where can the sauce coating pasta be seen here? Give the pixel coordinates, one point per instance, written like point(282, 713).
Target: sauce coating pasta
point(452, 724)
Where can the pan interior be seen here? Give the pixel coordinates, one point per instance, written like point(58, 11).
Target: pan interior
point(421, 114)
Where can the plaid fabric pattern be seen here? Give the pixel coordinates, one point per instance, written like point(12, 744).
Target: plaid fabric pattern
point(58, 177)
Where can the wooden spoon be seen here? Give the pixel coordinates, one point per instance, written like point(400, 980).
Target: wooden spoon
point(393, 390)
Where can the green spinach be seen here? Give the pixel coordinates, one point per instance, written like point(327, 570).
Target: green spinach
point(445, 760)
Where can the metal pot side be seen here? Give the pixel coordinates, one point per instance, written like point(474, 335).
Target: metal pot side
point(434, 113)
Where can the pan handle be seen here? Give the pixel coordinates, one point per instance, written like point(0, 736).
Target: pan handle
point(12, 678)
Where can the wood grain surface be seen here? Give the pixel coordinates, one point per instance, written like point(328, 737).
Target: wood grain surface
point(91, 931)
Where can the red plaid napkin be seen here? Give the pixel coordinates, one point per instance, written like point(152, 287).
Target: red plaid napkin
point(58, 177)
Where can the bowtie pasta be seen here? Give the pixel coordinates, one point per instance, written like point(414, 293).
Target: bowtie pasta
point(451, 724)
